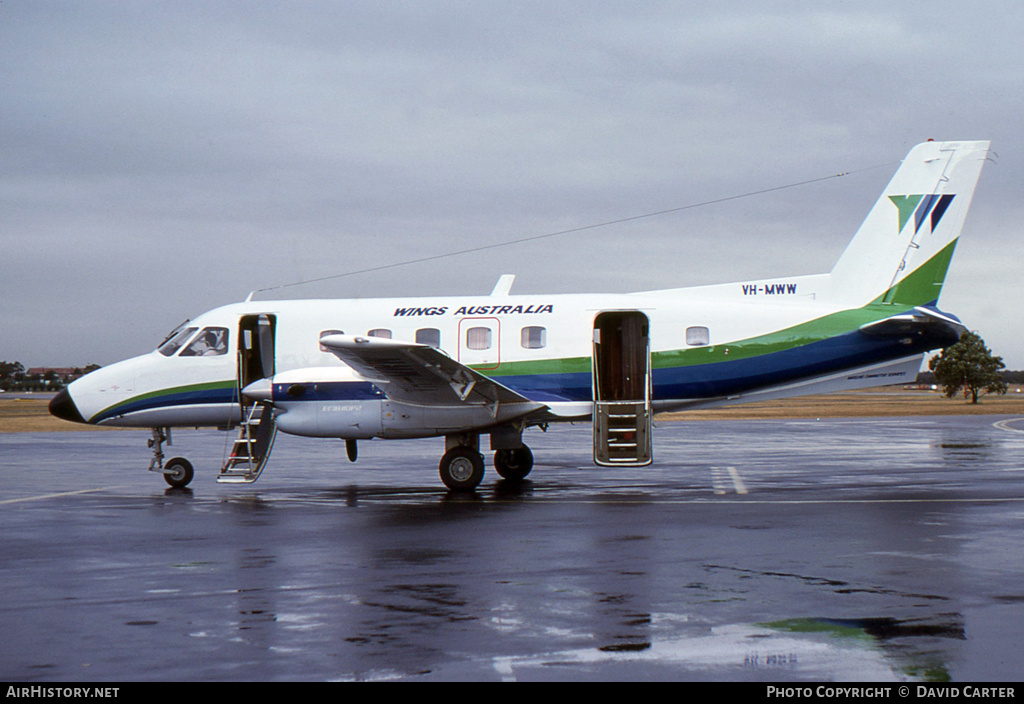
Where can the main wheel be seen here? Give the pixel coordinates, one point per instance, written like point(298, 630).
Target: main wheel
point(513, 465)
point(178, 472)
point(462, 469)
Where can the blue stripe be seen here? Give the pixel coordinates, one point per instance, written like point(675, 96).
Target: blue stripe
point(327, 391)
point(228, 395)
point(940, 209)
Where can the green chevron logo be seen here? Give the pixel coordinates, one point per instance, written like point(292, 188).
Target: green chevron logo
point(920, 207)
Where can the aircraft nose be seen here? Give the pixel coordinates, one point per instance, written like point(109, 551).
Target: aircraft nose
point(63, 407)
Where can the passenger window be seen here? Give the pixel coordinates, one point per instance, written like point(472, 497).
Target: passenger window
point(478, 338)
point(428, 336)
point(534, 337)
point(380, 332)
point(211, 342)
point(173, 343)
point(698, 335)
point(325, 333)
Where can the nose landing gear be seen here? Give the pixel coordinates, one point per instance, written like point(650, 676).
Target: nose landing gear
point(177, 471)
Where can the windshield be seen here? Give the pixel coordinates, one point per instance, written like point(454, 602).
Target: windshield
point(174, 341)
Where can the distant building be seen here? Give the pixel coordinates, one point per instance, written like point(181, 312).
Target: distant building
point(63, 373)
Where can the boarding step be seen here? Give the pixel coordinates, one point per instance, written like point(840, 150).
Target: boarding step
point(622, 433)
point(251, 448)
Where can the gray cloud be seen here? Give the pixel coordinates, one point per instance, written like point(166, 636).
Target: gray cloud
point(162, 159)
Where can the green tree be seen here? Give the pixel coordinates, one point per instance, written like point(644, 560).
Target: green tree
point(9, 369)
point(969, 366)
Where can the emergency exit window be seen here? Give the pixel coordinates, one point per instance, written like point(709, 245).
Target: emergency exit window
point(478, 338)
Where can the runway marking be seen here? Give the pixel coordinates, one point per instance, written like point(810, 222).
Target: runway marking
point(1004, 425)
point(718, 480)
point(57, 495)
point(741, 488)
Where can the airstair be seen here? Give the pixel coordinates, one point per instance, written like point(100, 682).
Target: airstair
point(622, 433)
point(252, 447)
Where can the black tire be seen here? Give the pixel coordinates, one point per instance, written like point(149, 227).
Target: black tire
point(462, 469)
point(513, 465)
point(178, 472)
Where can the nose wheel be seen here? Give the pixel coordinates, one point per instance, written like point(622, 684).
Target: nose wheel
point(178, 472)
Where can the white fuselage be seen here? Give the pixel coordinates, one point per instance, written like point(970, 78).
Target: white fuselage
point(541, 344)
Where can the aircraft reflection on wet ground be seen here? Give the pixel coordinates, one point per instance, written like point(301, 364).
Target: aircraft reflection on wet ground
point(857, 549)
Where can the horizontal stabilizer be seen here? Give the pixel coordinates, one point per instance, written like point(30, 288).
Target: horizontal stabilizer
point(918, 321)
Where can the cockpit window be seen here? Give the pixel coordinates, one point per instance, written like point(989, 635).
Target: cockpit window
point(175, 340)
point(211, 342)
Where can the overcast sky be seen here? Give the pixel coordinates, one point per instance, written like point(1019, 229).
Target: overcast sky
point(158, 159)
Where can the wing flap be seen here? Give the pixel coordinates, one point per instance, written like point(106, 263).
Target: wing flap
point(420, 374)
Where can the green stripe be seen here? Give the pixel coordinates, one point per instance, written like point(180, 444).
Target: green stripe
point(190, 388)
point(779, 341)
point(806, 333)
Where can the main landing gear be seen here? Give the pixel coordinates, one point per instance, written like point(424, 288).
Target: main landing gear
point(177, 471)
point(462, 466)
point(513, 465)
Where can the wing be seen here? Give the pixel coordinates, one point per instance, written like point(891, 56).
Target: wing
point(421, 374)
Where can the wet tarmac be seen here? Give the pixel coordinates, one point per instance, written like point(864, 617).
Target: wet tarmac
point(838, 550)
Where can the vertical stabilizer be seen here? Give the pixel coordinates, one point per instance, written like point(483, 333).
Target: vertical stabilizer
point(901, 253)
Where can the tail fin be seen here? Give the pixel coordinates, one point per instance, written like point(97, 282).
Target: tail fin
point(901, 253)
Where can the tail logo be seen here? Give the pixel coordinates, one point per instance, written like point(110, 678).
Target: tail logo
point(920, 207)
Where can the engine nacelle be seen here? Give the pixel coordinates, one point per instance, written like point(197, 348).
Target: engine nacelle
point(333, 402)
